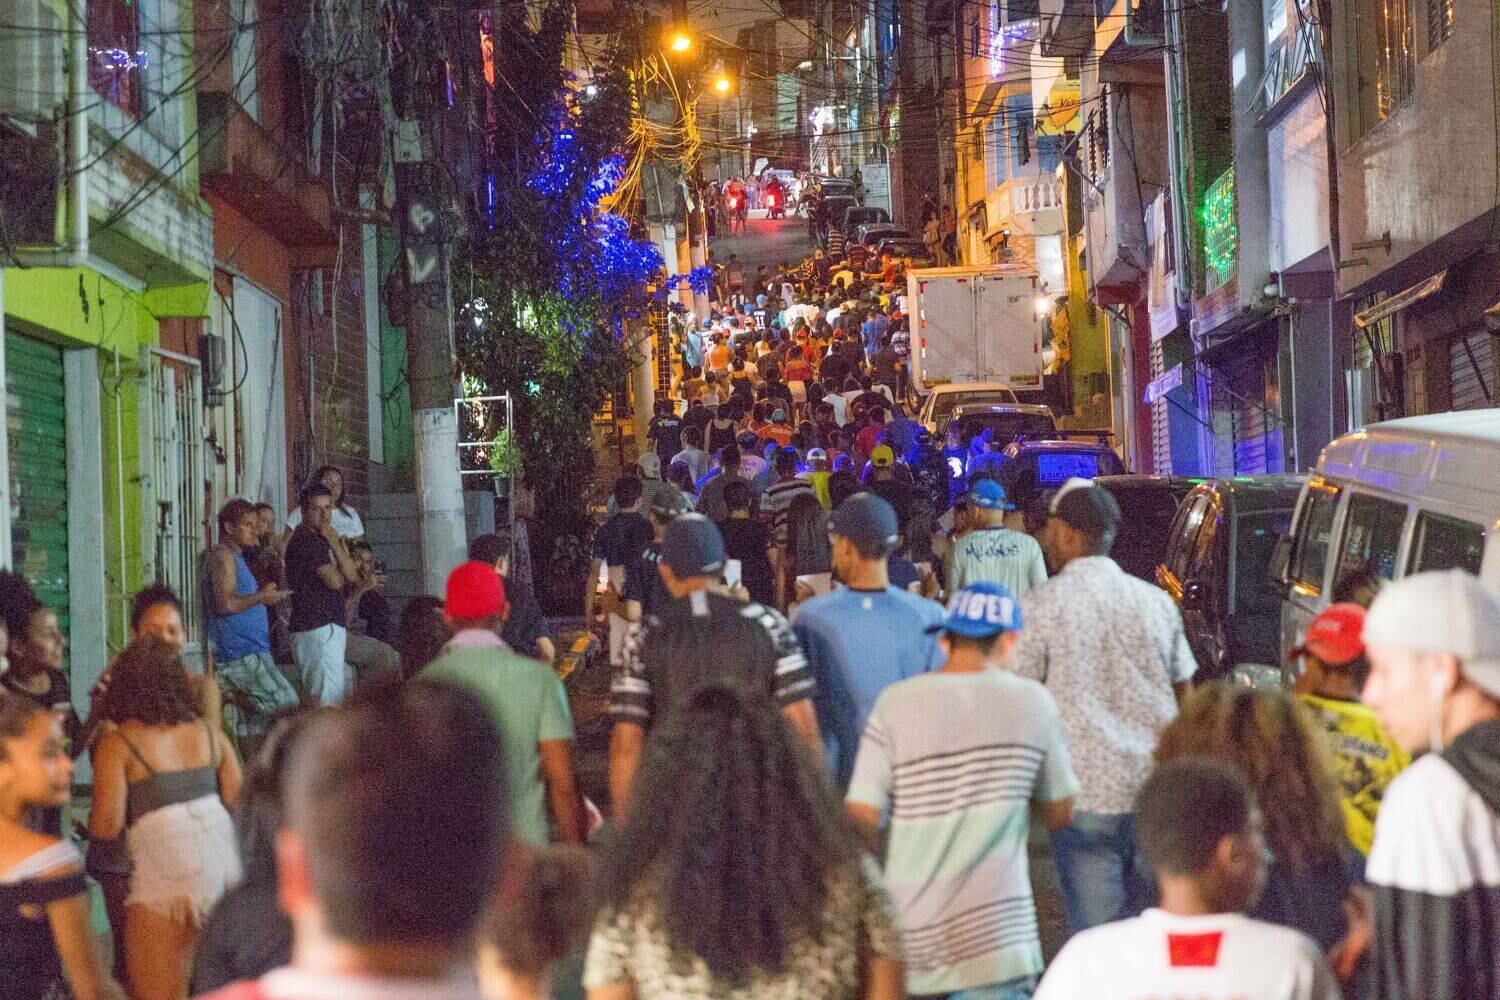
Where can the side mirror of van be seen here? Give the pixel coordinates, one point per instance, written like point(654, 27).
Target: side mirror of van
point(1281, 560)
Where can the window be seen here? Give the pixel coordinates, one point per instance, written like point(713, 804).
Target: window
point(994, 162)
point(1385, 41)
point(1049, 150)
point(976, 49)
point(1372, 534)
point(1439, 22)
point(117, 59)
point(1184, 537)
point(1254, 589)
point(1314, 537)
point(1446, 543)
point(243, 58)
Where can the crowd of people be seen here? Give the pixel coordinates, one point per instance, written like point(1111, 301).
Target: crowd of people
point(821, 782)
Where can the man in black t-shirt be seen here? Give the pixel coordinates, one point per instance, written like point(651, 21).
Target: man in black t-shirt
point(318, 566)
point(702, 635)
point(619, 542)
point(665, 432)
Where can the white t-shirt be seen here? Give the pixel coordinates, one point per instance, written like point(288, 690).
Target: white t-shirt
point(1161, 956)
point(346, 524)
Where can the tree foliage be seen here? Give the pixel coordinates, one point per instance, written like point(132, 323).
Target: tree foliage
point(547, 279)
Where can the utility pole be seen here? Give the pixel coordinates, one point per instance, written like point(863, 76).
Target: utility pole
point(425, 227)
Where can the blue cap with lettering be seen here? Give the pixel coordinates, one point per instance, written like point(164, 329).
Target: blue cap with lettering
point(980, 610)
point(990, 495)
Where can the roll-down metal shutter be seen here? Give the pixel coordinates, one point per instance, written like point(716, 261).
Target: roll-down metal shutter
point(36, 428)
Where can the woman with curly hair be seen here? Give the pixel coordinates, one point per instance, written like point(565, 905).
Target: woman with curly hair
point(737, 877)
point(163, 775)
point(1269, 737)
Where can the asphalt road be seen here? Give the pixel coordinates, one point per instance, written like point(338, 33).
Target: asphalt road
point(766, 241)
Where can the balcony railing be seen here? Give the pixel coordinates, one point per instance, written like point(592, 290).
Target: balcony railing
point(1037, 195)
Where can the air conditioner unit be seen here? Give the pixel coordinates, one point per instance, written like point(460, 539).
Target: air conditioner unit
point(31, 58)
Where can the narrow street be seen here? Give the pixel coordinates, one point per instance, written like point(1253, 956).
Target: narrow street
point(766, 241)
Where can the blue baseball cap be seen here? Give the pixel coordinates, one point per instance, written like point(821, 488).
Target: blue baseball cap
point(990, 495)
point(980, 610)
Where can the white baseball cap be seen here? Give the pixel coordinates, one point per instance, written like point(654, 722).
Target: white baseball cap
point(1444, 611)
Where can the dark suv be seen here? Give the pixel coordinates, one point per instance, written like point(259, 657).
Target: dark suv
point(1218, 569)
point(1148, 508)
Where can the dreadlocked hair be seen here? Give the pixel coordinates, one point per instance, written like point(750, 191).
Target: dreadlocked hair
point(734, 854)
point(1269, 737)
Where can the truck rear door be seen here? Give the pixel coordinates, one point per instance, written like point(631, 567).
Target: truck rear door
point(945, 336)
point(1010, 335)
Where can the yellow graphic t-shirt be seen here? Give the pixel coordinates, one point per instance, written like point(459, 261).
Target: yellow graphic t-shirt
point(1365, 759)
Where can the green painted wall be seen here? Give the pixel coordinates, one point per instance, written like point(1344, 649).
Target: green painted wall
point(395, 393)
point(80, 307)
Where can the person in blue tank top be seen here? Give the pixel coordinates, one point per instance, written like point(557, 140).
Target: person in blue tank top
point(239, 631)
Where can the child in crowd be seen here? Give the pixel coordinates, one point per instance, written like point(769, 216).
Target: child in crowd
point(1200, 829)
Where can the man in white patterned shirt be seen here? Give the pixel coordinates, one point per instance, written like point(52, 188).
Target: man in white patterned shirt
point(1112, 651)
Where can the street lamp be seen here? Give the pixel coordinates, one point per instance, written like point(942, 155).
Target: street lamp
point(680, 41)
point(722, 84)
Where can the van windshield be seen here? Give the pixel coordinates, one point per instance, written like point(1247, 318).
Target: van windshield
point(943, 405)
point(1259, 533)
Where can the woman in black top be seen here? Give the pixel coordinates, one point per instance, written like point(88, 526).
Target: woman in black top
point(46, 939)
point(721, 430)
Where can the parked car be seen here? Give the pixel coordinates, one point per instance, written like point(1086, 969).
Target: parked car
point(871, 234)
point(1399, 497)
point(864, 215)
point(1219, 569)
point(938, 404)
point(913, 250)
point(841, 186)
point(1037, 462)
point(1006, 421)
point(1148, 506)
point(835, 205)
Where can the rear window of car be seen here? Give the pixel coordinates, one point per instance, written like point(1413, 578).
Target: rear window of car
point(945, 402)
point(1053, 468)
point(1007, 426)
point(1146, 517)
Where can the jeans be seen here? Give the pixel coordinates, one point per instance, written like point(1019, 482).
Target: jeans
point(1102, 873)
point(320, 659)
point(1014, 989)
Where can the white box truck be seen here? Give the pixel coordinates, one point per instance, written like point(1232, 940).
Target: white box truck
point(974, 324)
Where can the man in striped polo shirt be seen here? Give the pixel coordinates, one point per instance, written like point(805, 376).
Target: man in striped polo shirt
point(952, 761)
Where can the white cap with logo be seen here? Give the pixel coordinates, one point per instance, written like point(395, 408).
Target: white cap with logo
point(1444, 611)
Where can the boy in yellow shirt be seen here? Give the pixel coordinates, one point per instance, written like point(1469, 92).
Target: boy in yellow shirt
point(1365, 757)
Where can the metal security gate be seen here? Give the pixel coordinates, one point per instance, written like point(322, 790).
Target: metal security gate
point(36, 429)
point(1161, 436)
point(1471, 370)
point(172, 495)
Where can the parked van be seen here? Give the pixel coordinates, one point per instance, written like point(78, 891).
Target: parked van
point(1399, 497)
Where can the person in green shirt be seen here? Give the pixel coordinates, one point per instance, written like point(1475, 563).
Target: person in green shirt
point(524, 698)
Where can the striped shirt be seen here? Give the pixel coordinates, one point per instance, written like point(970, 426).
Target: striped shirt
point(776, 503)
point(954, 760)
point(703, 638)
point(1012, 559)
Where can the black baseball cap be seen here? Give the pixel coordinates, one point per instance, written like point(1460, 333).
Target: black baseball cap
point(692, 546)
point(866, 520)
point(1086, 506)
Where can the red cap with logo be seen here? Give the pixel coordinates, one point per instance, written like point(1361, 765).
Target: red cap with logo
point(475, 590)
point(1335, 635)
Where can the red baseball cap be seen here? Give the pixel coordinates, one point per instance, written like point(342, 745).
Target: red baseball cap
point(475, 590)
point(1335, 636)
